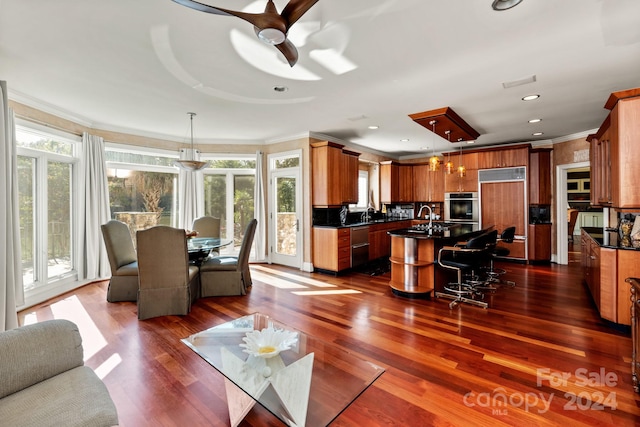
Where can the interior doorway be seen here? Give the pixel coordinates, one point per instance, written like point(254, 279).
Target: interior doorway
point(562, 207)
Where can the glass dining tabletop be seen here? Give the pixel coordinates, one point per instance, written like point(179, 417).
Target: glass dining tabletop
point(199, 248)
point(300, 379)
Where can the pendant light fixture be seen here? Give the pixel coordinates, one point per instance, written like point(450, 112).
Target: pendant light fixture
point(434, 161)
point(448, 167)
point(193, 164)
point(462, 171)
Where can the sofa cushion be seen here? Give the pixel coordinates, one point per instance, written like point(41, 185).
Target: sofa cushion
point(74, 398)
point(33, 353)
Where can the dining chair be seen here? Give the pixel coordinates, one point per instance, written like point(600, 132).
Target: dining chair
point(572, 218)
point(206, 226)
point(168, 283)
point(229, 275)
point(123, 285)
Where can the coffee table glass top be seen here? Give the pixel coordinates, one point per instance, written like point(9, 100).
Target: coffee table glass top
point(304, 382)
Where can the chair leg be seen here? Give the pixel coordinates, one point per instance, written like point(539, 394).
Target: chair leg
point(459, 292)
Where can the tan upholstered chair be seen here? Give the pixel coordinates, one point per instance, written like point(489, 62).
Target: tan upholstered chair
point(123, 285)
point(168, 284)
point(572, 217)
point(226, 275)
point(207, 226)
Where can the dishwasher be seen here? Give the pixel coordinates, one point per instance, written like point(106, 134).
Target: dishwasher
point(359, 246)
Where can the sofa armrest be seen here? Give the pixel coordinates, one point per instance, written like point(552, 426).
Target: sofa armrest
point(33, 353)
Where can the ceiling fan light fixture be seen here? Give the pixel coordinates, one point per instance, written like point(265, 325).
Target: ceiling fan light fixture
point(504, 4)
point(271, 36)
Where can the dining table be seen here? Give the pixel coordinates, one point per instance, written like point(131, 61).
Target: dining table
point(200, 248)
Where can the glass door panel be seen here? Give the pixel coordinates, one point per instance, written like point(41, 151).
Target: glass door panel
point(286, 222)
point(59, 259)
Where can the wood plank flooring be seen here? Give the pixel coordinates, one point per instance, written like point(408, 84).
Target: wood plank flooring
point(540, 355)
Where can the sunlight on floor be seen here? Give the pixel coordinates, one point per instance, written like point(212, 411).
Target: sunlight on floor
point(282, 280)
point(92, 340)
point(307, 280)
point(332, 292)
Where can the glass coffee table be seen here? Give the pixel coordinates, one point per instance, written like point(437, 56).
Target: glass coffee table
point(300, 379)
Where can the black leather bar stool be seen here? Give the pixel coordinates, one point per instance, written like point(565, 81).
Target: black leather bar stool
point(507, 236)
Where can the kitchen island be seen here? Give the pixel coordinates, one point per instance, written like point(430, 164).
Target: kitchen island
point(414, 254)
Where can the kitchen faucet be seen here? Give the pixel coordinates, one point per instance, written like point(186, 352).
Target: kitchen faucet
point(430, 214)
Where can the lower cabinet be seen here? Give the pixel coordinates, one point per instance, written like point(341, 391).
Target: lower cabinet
point(605, 270)
point(380, 240)
point(539, 242)
point(332, 248)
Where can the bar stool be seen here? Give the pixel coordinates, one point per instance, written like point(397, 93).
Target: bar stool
point(465, 259)
point(493, 273)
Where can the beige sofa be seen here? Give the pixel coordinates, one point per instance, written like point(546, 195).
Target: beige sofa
point(44, 381)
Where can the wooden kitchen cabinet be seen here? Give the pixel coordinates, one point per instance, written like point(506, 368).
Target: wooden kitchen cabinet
point(502, 158)
point(349, 186)
point(539, 242)
point(332, 248)
point(334, 174)
point(605, 270)
point(380, 240)
point(454, 183)
point(502, 206)
point(600, 161)
point(615, 154)
point(428, 186)
point(396, 182)
point(539, 176)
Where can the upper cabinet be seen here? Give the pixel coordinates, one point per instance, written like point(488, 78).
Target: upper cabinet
point(350, 161)
point(540, 176)
point(469, 182)
point(503, 158)
point(428, 186)
point(396, 182)
point(615, 154)
point(334, 174)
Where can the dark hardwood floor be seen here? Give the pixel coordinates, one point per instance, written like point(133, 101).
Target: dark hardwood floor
point(540, 355)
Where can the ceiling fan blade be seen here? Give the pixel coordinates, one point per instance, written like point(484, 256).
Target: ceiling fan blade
point(295, 9)
point(289, 51)
point(267, 19)
point(204, 7)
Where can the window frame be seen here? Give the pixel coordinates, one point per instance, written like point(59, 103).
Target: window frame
point(46, 286)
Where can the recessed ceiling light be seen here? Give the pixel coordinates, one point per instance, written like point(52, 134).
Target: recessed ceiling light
point(424, 148)
point(537, 133)
point(404, 140)
point(535, 120)
point(530, 97)
point(470, 142)
point(280, 88)
point(373, 127)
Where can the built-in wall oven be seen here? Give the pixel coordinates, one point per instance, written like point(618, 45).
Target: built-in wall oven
point(462, 208)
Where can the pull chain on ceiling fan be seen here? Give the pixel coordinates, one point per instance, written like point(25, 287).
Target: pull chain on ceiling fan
point(270, 27)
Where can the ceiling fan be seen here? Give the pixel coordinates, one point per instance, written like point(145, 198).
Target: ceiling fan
point(270, 27)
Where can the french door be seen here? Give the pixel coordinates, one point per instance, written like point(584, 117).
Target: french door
point(285, 209)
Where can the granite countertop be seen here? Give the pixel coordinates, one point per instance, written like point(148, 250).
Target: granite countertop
point(607, 239)
point(362, 224)
point(439, 231)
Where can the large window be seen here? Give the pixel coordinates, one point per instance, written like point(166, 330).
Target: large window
point(46, 182)
point(142, 187)
point(229, 185)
